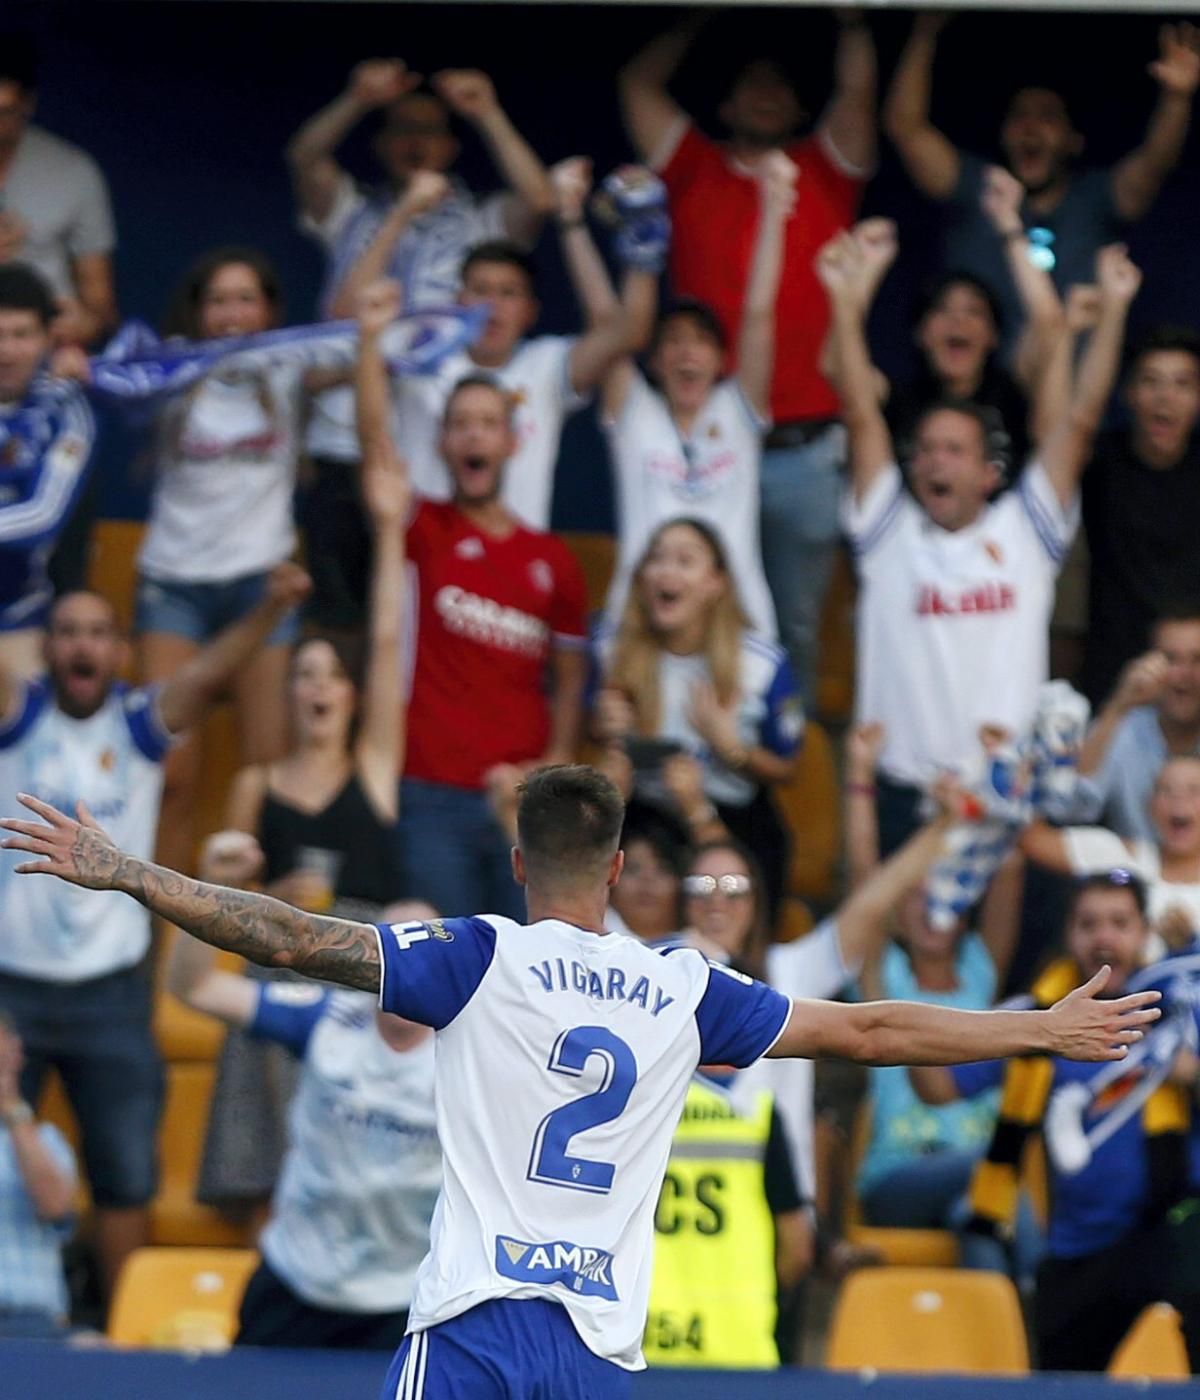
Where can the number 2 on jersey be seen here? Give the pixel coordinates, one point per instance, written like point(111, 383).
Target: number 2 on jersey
point(550, 1163)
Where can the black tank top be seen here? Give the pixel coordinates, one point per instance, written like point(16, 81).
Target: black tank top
point(369, 872)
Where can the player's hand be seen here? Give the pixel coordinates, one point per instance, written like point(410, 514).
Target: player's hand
point(1142, 681)
point(426, 189)
point(287, 586)
point(77, 851)
point(864, 744)
point(378, 81)
point(466, 91)
point(614, 716)
point(571, 181)
point(1177, 68)
point(778, 175)
point(71, 362)
point(1003, 195)
point(1082, 1027)
point(1117, 274)
point(387, 490)
point(231, 858)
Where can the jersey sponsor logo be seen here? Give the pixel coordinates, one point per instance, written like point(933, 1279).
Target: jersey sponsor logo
point(993, 551)
point(485, 620)
point(541, 575)
point(408, 934)
point(470, 548)
point(692, 479)
point(107, 761)
point(579, 1268)
point(611, 984)
point(933, 601)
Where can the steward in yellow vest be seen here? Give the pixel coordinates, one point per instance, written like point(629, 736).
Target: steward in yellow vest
point(713, 1296)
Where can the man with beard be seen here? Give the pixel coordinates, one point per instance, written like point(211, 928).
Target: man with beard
point(715, 203)
point(501, 639)
point(72, 963)
point(1152, 716)
point(1069, 213)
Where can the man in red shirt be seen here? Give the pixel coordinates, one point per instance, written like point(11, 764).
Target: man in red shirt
point(714, 208)
point(501, 610)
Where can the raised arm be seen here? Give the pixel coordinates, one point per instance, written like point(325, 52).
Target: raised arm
point(201, 682)
point(606, 336)
point(385, 486)
point(50, 1189)
point(262, 929)
point(850, 267)
point(309, 154)
point(1141, 683)
point(851, 119)
point(424, 191)
point(91, 313)
point(1044, 325)
point(1137, 179)
point(650, 112)
point(471, 94)
point(756, 335)
point(1065, 452)
point(930, 159)
point(860, 821)
point(1079, 1027)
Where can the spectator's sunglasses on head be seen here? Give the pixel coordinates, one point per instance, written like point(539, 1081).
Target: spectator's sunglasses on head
point(1041, 247)
point(705, 886)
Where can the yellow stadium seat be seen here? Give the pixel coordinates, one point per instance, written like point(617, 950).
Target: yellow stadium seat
point(597, 557)
point(180, 1299)
point(175, 1215)
point(922, 1320)
point(835, 645)
point(808, 806)
point(1153, 1348)
point(184, 1034)
point(921, 1249)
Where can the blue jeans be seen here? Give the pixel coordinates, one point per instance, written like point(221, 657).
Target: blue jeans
point(801, 487)
point(930, 1193)
point(453, 853)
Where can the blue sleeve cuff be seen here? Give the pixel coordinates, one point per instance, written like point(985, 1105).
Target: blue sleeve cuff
point(287, 1013)
point(738, 1019)
point(431, 970)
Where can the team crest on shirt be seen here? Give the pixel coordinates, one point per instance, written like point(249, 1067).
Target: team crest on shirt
point(993, 551)
point(541, 575)
point(107, 761)
point(469, 548)
point(714, 431)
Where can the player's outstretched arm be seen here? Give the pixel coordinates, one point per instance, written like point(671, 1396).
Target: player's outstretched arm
point(1079, 1027)
point(260, 928)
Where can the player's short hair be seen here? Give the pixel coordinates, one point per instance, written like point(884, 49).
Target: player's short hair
point(1116, 879)
point(997, 445)
point(691, 309)
point(23, 289)
point(936, 288)
point(1163, 339)
point(569, 820)
point(479, 381)
point(505, 252)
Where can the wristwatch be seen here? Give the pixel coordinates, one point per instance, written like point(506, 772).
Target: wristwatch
point(15, 1114)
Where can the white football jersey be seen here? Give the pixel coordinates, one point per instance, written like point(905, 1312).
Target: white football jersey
point(538, 376)
point(563, 1059)
point(953, 625)
point(112, 760)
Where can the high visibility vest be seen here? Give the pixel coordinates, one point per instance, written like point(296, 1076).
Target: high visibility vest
point(712, 1299)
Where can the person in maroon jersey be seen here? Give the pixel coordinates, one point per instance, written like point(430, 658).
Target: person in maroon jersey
point(500, 661)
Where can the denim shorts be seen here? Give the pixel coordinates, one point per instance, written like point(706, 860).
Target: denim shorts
point(198, 611)
point(97, 1035)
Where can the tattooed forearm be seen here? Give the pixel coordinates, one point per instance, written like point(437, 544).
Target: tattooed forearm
point(260, 928)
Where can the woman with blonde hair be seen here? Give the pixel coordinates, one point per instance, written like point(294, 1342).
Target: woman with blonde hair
point(702, 710)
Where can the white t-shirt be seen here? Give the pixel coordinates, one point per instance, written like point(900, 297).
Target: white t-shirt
point(953, 626)
point(539, 377)
point(427, 261)
point(563, 1060)
point(60, 195)
point(711, 476)
point(227, 452)
point(112, 761)
point(770, 713)
point(350, 1216)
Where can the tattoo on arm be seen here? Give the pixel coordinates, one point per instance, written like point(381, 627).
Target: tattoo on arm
point(259, 928)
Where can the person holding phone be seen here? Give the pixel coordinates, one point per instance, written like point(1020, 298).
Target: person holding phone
point(701, 713)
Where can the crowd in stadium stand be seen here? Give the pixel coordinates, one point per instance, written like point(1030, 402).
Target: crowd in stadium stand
point(349, 542)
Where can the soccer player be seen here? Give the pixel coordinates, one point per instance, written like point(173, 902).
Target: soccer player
point(563, 1058)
